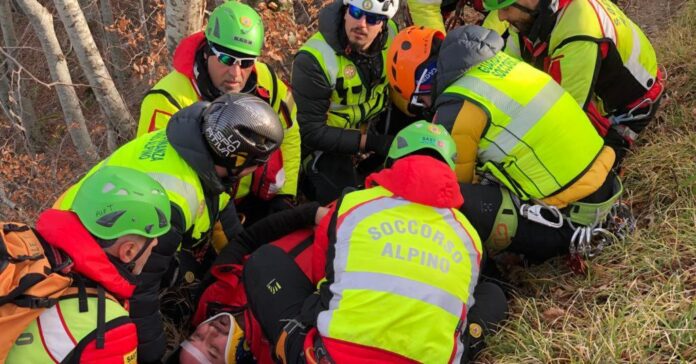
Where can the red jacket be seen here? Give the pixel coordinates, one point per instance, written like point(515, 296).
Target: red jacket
point(64, 231)
point(227, 292)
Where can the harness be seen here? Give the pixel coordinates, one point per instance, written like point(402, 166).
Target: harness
point(595, 225)
point(640, 109)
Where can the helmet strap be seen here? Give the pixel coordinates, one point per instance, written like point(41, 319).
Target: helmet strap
point(123, 269)
point(137, 256)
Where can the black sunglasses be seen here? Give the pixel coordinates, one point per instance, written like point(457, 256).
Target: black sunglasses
point(370, 18)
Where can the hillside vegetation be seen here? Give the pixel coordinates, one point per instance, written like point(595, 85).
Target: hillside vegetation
point(638, 302)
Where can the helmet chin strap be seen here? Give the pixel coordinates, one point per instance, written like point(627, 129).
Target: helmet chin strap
point(137, 256)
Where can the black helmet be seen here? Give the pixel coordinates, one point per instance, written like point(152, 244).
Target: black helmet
point(241, 130)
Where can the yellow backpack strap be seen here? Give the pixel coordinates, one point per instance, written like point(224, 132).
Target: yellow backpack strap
point(166, 94)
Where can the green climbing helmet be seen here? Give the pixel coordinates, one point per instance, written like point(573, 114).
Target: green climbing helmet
point(116, 201)
point(424, 135)
point(236, 26)
point(497, 4)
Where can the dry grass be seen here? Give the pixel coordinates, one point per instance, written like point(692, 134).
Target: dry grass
point(637, 303)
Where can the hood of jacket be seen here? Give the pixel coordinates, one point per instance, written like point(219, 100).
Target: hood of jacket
point(463, 48)
point(184, 61)
point(185, 53)
point(64, 231)
point(332, 27)
point(185, 136)
point(421, 179)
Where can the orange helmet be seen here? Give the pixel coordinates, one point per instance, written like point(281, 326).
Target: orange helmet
point(411, 63)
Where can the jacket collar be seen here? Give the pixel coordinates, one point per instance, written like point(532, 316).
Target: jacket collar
point(184, 60)
point(420, 179)
point(64, 231)
point(185, 136)
point(331, 27)
point(462, 49)
point(185, 53)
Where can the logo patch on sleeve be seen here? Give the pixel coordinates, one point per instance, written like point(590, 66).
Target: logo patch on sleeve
point(131, 358)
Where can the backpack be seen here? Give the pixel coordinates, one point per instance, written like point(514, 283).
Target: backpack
point(29, 284)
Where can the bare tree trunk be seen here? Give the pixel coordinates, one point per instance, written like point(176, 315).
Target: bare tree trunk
point(184, 17)
point(110, 100)
point(147, 45)
point(42, 22)
point(91, 10)
point(4, 89)
point(20, 106)
point(118, 65)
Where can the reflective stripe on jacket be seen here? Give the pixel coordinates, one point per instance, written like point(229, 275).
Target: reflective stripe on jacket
point(58, 331)
point(176, 91)
point(400, 284)
point(521, 144)
point(626, 61)
point(351, 102)
point(153, 154)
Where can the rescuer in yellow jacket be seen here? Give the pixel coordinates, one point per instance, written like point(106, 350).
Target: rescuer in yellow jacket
point(96, 251)
point(513, 126)
point(435, 14)
point(224, 59)
point(596, 53)
point(387, 259)
point(202, 153)
point(341, 90)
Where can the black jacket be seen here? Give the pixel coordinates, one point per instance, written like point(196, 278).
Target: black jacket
point(184, 134)
point(312, 91)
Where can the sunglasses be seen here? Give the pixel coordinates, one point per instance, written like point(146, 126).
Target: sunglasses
point(370, 18)
point(230, 60)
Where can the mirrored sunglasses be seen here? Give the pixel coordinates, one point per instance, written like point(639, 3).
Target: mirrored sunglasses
point(370, 18)
point(230, 60)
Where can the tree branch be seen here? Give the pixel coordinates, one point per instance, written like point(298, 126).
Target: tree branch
point(36, 79)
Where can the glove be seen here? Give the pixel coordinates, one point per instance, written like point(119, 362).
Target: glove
point(379, 144)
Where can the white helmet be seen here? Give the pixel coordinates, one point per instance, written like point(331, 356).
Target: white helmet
point(384, 7)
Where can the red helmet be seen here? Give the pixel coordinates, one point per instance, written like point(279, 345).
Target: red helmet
point(412, 64)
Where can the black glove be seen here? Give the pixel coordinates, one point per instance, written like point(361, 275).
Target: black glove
point(378, 143)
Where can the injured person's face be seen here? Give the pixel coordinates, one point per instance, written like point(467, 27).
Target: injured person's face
point(214, 341)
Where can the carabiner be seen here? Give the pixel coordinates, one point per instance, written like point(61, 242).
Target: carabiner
point(533, 213)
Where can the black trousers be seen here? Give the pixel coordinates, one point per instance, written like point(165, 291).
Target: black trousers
point(255, 209)
point(278, 293)
point(325, 180)
point(535, 241)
